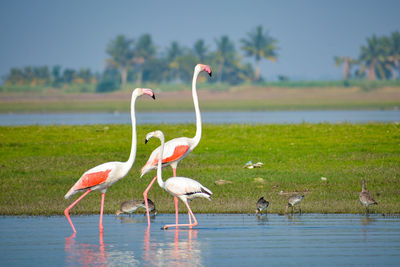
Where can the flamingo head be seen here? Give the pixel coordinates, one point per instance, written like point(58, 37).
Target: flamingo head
point(145, 91)
point(206, 68)
point(157, 134)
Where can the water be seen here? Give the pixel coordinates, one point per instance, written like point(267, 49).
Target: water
point(315, 116)
point(218, 240)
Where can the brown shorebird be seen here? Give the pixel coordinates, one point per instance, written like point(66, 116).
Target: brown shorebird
point(131, 206)
point(366, 198)
point(294, 200)
point(262, 204)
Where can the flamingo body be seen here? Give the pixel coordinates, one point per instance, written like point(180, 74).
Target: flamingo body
point(175, 150)
point(186, 188)
point(99, 178)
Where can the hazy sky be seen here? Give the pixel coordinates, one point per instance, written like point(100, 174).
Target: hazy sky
point(75, 33)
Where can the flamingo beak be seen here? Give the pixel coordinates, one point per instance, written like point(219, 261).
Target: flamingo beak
point(145, 141)
point(154, 96)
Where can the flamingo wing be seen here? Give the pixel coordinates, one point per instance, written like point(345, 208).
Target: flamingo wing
point(180, 186)
point(90, 179)
point(174, 150)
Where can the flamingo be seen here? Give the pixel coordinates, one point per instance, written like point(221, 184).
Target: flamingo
point(103, 176)
point(366, 198)
point(178, 148)
point(183, 188)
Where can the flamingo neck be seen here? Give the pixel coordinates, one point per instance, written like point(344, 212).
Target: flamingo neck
point(132, 155)
point(196, 108)
point(159, 171)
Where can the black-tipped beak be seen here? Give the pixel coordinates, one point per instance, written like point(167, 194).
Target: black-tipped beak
point(210, 74)
point(154, 96)
point(145, 141)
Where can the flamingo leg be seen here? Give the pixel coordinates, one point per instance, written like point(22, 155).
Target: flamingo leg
point(145, 199)
point(176, 209)
point(189, 225)
point(103, 195)
point(66, 211)
point(176, 201)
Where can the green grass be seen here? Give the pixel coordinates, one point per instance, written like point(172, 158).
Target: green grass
point(38, 165)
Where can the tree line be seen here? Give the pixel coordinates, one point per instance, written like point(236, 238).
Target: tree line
point(140, 61)
point(378, 59)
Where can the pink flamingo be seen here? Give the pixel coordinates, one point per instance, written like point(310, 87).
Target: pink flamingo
point(183, 188)
point(178, 148)
point(103, 176)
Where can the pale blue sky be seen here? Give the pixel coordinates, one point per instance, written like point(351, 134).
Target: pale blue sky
point(75, 33)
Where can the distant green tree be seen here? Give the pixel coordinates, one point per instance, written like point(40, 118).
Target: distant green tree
point(68, 75)
point(143, 52)
point(174, 51)
point(259, 44)
point(200, 50)
point(372, 55)
point(393, 51)
point(56, 74)
point(347, 62)
point(121, 55)
point(225, 53)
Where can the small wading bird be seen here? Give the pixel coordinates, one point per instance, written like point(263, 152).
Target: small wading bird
point(262, 204)
point(183, 188)
point(366, 198)
point(294, 200)
point(131, 206)
point(178, 148)
point(103, 176)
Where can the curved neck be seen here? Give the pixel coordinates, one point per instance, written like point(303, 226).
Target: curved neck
point(132, 156)
point(197, 109)
point(159, 171)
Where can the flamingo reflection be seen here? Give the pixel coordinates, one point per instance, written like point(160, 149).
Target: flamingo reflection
point(184, 250)
point(85, 254)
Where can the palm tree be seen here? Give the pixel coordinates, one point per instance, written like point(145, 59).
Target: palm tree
point(394, 53)
point(347, 62)
point(372, 55)
point(259, 45)
point(121, 53)
point(144, 51)
point(200, 50)
point(225, 52)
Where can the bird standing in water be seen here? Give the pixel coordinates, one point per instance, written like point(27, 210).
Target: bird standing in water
point(105, 175)
point(131, 206)
point(185, 189)
point(366, 198)
point(294, 200)
point(262, 204)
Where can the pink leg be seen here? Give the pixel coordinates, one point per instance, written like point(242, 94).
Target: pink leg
point(176, 201)
point(103, 195)
point(145, 199)
point(190, 225)
point(66, 211)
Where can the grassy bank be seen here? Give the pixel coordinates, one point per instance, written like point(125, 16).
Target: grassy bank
point(236, 98)
point(40, 163)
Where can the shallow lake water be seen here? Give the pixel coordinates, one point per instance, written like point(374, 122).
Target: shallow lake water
point(241, 117)
point(218, 240)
